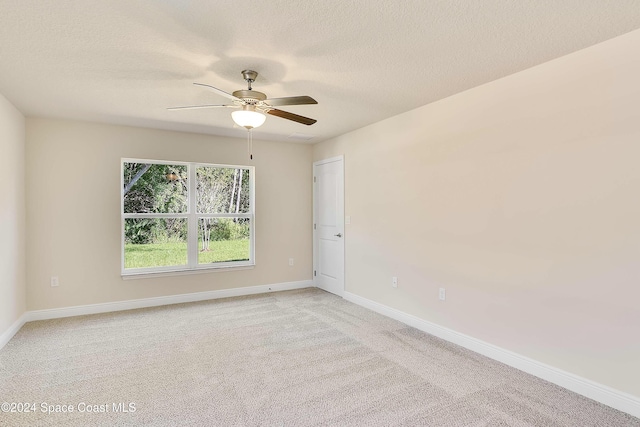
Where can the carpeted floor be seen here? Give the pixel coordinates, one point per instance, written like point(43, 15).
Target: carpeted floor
point(295, 358)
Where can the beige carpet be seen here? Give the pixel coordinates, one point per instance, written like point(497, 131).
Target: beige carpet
point(296, 358)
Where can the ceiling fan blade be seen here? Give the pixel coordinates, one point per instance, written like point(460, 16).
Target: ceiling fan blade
point(290, 116)
point(291, 100)
point(219, 92)
point(193, 107)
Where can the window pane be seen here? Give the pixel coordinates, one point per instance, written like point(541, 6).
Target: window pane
point(222, 190)
point(223, 240)
point(155, 242)
point(154, 188)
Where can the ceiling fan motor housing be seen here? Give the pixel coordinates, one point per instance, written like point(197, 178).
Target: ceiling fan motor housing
point(250, 96)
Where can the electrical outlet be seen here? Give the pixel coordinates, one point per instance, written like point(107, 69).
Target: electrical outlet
point(54, 281)
point(394, 282)
point(442, 294)
point(290, 261)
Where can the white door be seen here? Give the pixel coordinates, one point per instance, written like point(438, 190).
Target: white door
point(328, 224)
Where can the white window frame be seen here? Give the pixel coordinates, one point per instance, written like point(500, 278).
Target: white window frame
point(192, 217)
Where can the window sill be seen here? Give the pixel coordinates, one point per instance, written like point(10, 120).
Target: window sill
point(185, 272)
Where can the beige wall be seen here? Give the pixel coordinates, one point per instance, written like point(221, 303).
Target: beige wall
point(520, 197)
point(12, 215)
point(73, 205)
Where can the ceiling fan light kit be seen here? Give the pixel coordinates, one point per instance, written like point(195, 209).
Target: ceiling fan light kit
point(254, 105)
point(248, 117)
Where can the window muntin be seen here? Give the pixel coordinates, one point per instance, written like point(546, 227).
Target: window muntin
point(186, 216)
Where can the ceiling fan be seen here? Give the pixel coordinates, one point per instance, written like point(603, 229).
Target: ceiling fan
point(252, 104)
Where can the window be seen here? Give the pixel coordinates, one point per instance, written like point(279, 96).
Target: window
point(186, 216)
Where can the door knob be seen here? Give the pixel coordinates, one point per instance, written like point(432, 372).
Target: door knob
point(338, 235)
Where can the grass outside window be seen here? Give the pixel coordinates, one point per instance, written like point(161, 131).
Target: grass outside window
point(175, 253)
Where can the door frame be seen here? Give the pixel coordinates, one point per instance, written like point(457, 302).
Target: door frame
point(339, 158)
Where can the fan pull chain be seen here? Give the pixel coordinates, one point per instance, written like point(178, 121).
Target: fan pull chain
point(250, 143)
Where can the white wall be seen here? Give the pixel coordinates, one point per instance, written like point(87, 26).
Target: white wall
point(12, 215)
point(73, 205)
point(521, 197)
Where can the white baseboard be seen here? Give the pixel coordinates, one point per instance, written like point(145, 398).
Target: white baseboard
point(616, 399)
point(80, 310)
point(13, 329)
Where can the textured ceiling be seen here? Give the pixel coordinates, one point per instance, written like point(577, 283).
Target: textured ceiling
point(123, 61)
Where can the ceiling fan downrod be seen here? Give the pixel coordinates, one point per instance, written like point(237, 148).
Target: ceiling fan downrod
point(250, 77)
